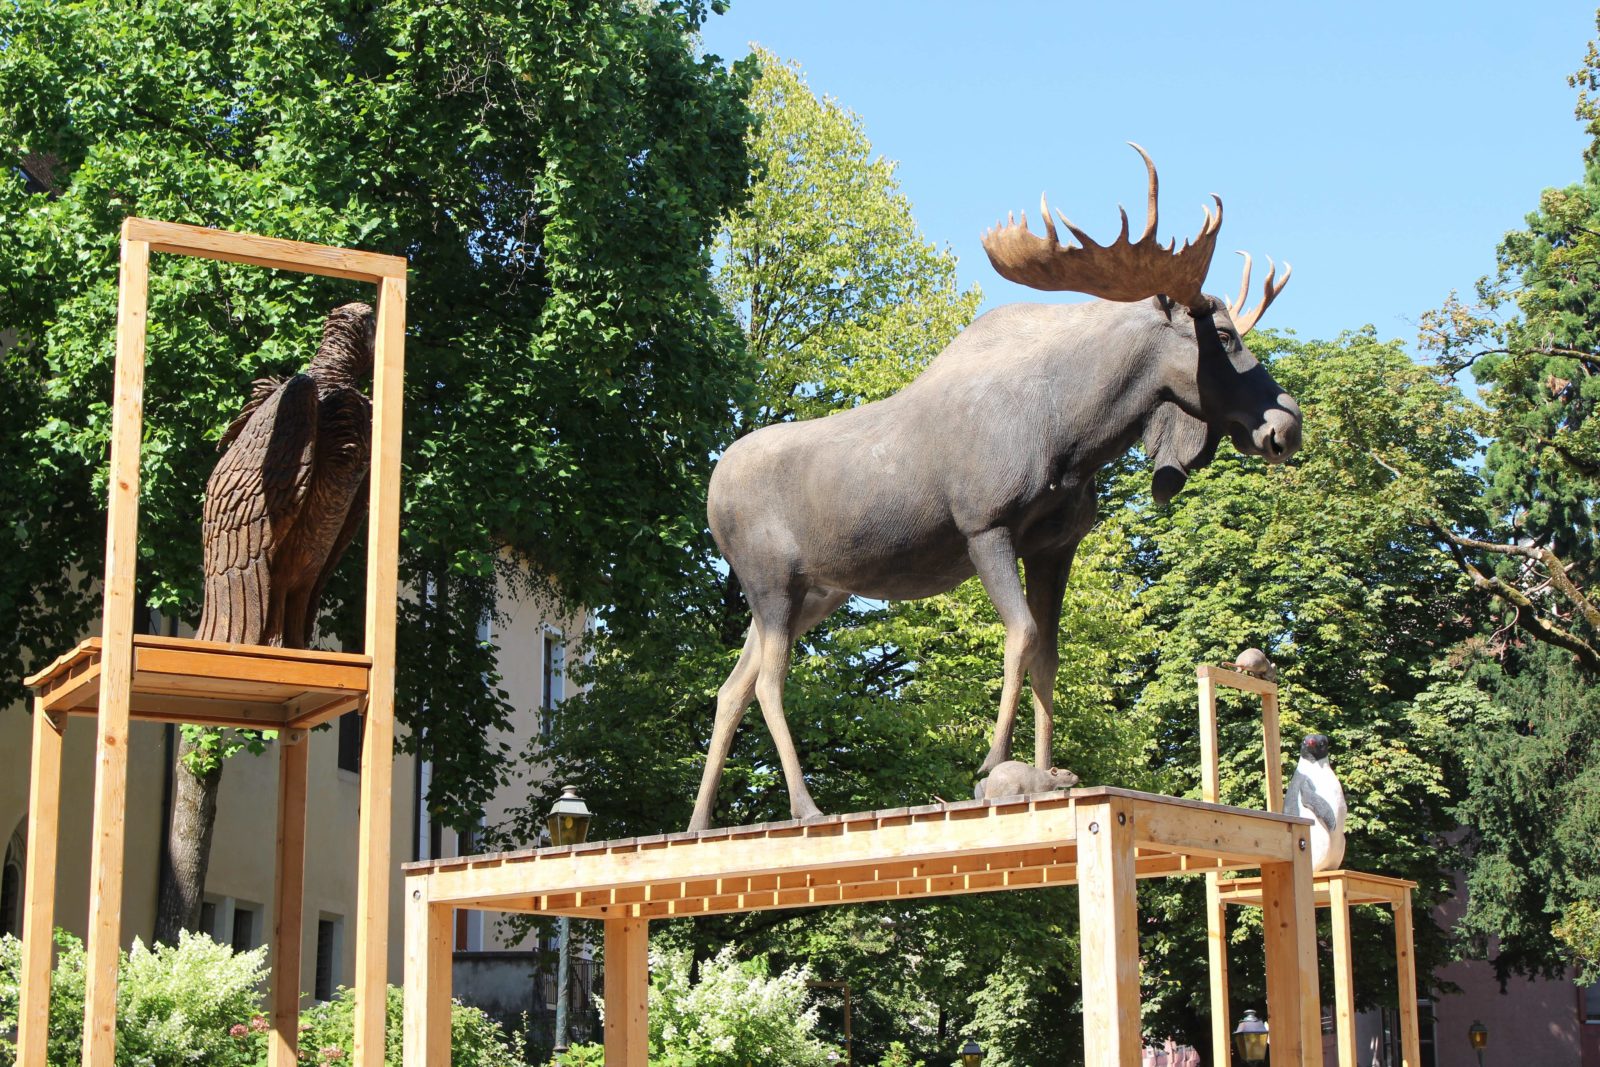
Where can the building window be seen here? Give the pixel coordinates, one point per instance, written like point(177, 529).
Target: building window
point(327, 949)
point(350, 741)
point(553, 688)
point(1427, 1043)
point(11, 868)
point(245, 928)
point(1591, 1004)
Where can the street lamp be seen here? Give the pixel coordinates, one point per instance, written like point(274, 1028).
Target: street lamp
point(569, 825)
point(971, 1054)
point(1250, 1038)
point(1478, 1034)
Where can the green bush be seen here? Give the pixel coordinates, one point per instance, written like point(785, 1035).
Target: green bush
point(199, 1003)
point(176, 1004)
point(736, 1014)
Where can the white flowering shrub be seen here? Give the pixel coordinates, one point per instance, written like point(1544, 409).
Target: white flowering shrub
point(737, 1014)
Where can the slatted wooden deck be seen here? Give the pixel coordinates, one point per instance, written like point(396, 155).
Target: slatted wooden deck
point(1100, 839)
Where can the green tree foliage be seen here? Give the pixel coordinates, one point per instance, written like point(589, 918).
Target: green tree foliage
point(1533, 345)
point(553, 171)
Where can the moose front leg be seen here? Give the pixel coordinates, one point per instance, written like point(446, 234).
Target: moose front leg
point(995, 558)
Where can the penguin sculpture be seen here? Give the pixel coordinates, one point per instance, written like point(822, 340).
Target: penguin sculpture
point(1315, 793)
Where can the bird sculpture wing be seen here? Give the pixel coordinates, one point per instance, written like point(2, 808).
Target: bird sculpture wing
point(253, 500)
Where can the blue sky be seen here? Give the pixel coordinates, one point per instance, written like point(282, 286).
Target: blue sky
point(1383, 149)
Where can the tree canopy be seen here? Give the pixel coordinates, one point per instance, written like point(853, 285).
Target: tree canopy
point(555, 174)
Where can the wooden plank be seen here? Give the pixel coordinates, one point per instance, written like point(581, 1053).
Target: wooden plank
point(1210, 781)
point(1288, 924)
point(309, 712)
point(627, 990)
point(727, 856)
point(1406, 979)
point(1212, 832)
point(39, 888)
point(1272, 750)
point(1344, 977)
point(243, 671)
point(116, 665)
point(87, 653)
point(427, 977)
point(1217, 964)
point(377, 751)
point(272, 252)
point(1107, 909)
point(1249, 683)
point(288, 900)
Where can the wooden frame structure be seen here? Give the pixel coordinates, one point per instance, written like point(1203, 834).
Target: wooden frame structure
point(1339, 891)
point(120, 676)
point(1336, 890)
point(1100, 839)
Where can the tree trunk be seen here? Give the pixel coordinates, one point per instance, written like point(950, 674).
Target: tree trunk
point(188, 852)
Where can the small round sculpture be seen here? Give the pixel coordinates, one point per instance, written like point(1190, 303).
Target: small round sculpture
point(1254, 662)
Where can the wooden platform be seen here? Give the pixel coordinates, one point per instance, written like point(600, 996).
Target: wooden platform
point(1099, 839)
point(182, 680)
point(1358, 888)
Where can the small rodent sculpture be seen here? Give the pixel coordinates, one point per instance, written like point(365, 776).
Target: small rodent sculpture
point(1254, 662)
point(1013, 778)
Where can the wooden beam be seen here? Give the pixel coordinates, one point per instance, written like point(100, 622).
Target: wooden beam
point(1344, 978)
point(627, 990)
point(1288, 924)
point(116, 665)
point(272, 252)
point(1272, 750)
point(1196, 829)
point(1210, 781)
point(39, 888)
point(429, 930)
point(377, 749)
point(1107, 910)
point(288, 900)
point(1217, 969)
point(1249, 683)
point(1406, 980)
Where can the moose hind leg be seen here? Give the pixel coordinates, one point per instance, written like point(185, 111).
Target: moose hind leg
point(995, 560)
point(779, 630)
point(732, 700)
point(1047, 586)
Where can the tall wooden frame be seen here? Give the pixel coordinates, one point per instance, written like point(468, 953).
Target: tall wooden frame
point(119, 676)
point(1210, 679)
point(1336, 890)
point(1101, 839)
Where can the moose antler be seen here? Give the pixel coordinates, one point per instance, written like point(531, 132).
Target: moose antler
point(1123, 270)
point(1269, 292)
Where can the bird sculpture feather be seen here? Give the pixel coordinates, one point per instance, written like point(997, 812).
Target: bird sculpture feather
point(284, 501)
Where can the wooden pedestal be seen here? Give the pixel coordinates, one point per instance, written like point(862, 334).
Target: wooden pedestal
point(1101, 839)
point(120, 676)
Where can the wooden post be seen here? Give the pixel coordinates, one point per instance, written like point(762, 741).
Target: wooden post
point(377, 746)
point(1108, 916)
point(288, 898)
point(1406, 980)
point(39, 893)
point(1217, 956)
point(1288, 921)
point(427, 978)
point(116, 666)
point(1344, 979)
point(1272, 750)
point(627, 988)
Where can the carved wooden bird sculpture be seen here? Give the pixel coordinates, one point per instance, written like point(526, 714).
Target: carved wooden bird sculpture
point(289, 491)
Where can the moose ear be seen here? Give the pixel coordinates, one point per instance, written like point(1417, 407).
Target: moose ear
point(1177, 444)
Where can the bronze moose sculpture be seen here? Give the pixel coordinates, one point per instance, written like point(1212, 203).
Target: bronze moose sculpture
point(285, 499)
point(987, 458)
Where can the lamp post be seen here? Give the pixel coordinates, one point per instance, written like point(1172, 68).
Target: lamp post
point(1478, 1034)
point(971, 1054)
point(1250, 1038)
point(568, 822)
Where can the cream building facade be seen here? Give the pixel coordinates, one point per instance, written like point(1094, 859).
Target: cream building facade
point(534, 643)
